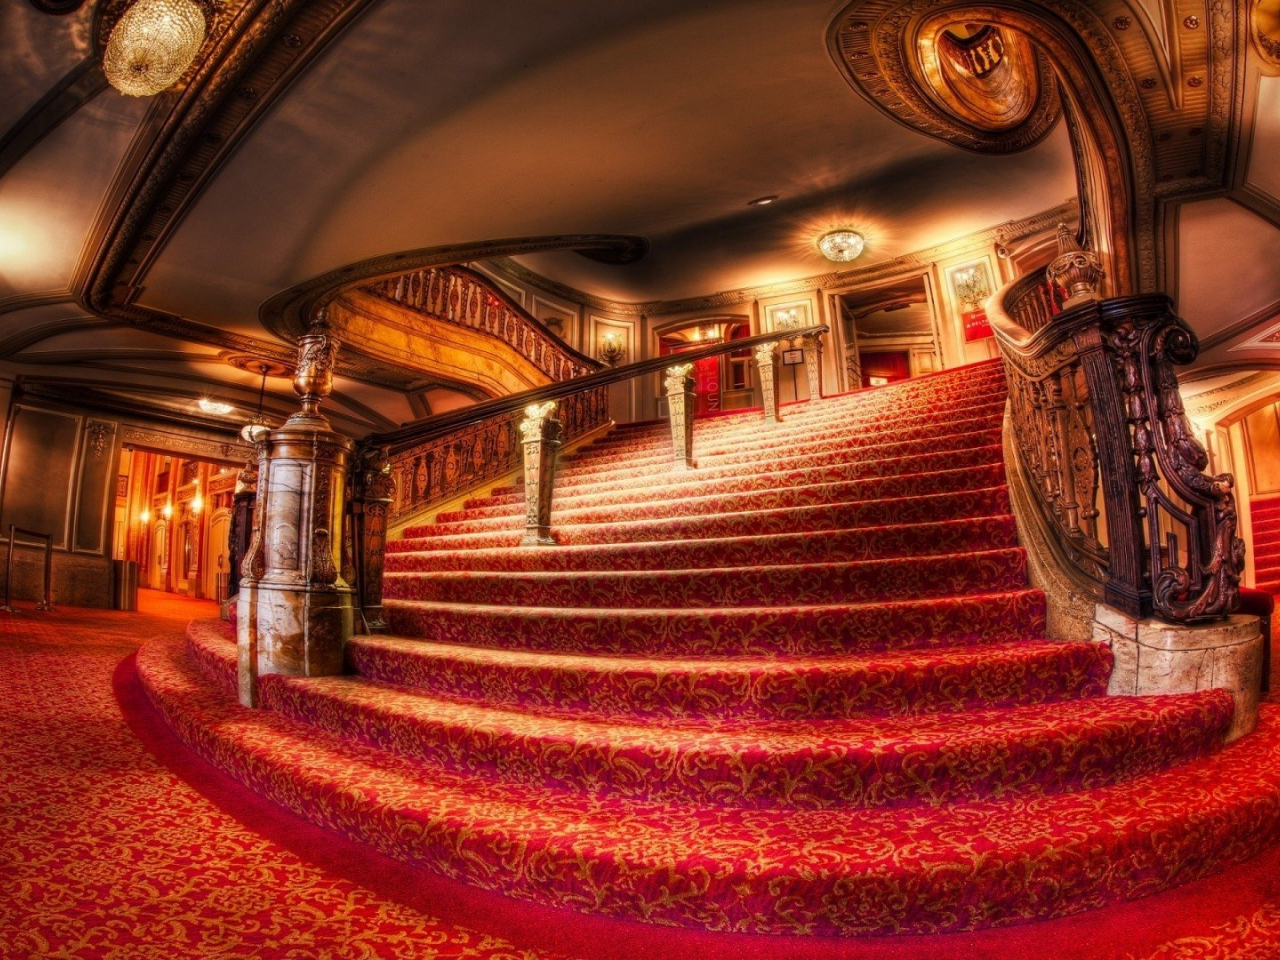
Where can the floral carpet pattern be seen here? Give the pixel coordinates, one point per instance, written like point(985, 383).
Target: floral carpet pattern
point(799, 690)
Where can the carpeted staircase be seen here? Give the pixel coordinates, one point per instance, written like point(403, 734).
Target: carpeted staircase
point(800, 689)
point(1265, 514)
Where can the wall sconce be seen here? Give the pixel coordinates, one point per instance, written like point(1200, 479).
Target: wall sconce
point(197, 502)
point(167, 511)
point(612, 350)
point(788, 319)
point(144, 517)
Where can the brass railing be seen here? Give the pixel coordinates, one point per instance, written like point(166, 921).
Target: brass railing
point(1105, 445)
point(402, 472)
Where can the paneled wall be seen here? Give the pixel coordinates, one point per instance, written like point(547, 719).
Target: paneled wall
point(59, 478)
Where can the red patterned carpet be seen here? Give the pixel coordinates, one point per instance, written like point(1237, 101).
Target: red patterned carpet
point(802, 691)
point(121, 842)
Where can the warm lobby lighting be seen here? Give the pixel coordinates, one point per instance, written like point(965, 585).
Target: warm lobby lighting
point(214, 406)
point(763, 201)
point(197, 502)
point(612, 350)
point(152, 46)
point(167, 511)
point(841, 245)
point(144, 517)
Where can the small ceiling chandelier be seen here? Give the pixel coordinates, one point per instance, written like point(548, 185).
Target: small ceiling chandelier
point(152, 45)
point(257, 430)
point(841, 245)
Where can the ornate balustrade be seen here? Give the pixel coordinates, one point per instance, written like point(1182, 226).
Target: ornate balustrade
point(1106, 447)
point(404, 472)
point(459, 296)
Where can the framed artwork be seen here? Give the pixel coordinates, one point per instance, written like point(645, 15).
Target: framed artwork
point(789, 316)
point(970, 285)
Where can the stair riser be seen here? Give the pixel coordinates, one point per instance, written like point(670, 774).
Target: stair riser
point(726, 632)
point(768, 442)
point(659, 476)
point(700, 486)
point(813, 547)
point(863, 446)
point(756, 691)
point(875, 488)
point(980, 391)
point(506, 531)
point(741, 587)
point(943, 763)
point(749, 436)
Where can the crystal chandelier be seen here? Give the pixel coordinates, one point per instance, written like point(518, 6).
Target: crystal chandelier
point(841, 245)
point(152, 46)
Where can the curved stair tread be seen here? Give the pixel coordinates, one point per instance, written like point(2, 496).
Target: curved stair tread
point(851, 543)
point(886, 870)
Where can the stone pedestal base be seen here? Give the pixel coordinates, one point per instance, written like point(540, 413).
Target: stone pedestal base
point(1157, 657)
point(297, 632)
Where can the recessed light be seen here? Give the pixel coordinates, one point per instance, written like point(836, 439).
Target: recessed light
point(763, 201)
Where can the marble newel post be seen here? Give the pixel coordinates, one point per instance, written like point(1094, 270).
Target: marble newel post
point(811, 343)
point(680, 406)
point(541, 436)
point(767, 368)
point(295, 610)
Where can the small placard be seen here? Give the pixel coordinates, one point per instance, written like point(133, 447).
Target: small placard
point(791, 358)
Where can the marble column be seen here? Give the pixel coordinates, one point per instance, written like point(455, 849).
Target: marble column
point(294, 613)
point(811, 343)
point(541, 441)
point(767, 367)
point(680, 406)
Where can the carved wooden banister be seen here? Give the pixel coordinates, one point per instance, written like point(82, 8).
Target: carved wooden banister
point(402, 472)
point(1101, 435)
point(460, 296)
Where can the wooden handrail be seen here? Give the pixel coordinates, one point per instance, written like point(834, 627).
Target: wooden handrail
point(430, 428)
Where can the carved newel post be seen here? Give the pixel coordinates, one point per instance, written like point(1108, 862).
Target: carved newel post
point(295, 609)
point(811, 343)
point(375, 491)
point(680, 406)
point(1076, 270)
point(767, 367)
point(541, 437)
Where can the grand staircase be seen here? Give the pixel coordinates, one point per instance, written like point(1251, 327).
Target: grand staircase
point(1266, 543)
point(800, 689)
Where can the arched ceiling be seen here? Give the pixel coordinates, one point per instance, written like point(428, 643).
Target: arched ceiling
point(392, 125)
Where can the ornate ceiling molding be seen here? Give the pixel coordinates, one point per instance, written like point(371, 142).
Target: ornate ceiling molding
point(254, 51)
point(1009, 232)
point(989, 90)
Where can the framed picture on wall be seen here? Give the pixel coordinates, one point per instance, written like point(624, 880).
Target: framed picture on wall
point(795, 315)
point(970, 284)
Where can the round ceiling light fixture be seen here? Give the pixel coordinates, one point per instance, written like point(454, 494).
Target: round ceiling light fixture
point(841, 245)
point(152, 46)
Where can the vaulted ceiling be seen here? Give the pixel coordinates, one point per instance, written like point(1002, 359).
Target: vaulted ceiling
point(140, 239)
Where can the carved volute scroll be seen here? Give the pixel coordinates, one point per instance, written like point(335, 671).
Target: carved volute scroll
point(680, 406)
point(1096, 414)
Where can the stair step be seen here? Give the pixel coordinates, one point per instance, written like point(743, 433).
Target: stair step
point(886, 870)
point(770, 631)
point(506, 531)
point(863, 543)
point(909, 681)
point(696, 485)
point(801, 584)
point(840, 492)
